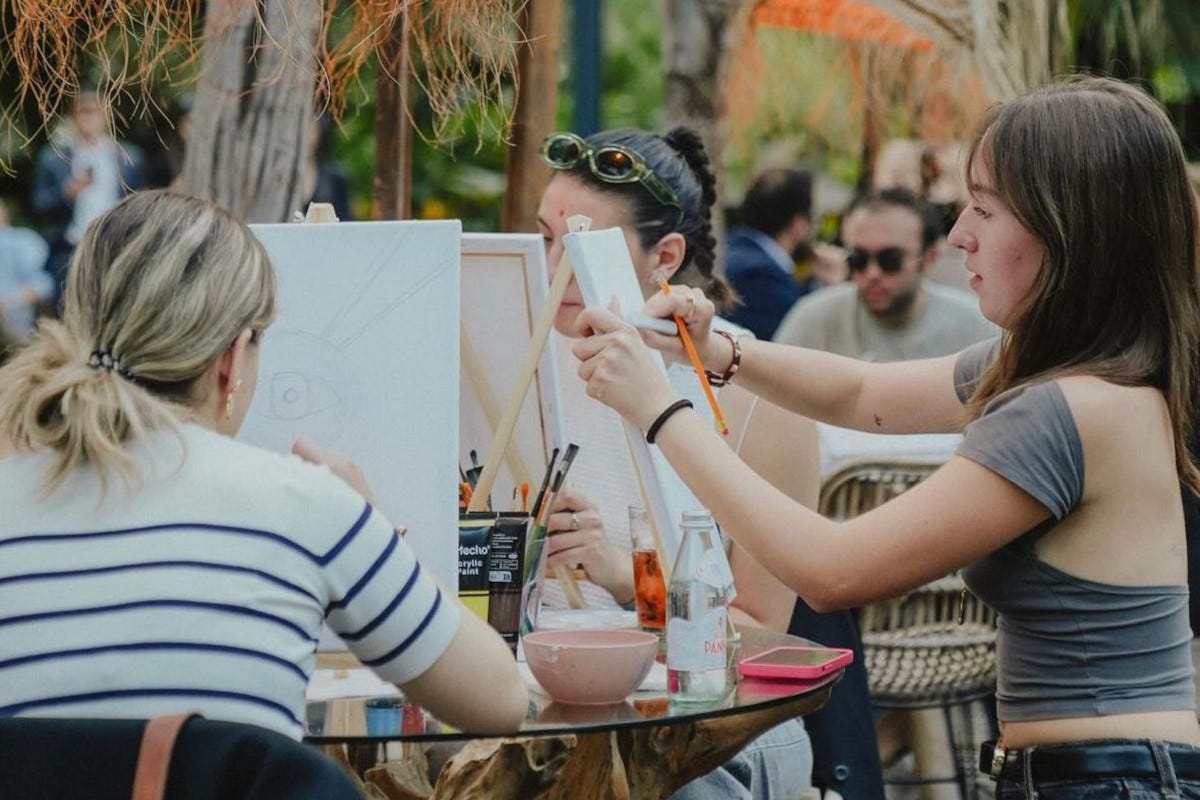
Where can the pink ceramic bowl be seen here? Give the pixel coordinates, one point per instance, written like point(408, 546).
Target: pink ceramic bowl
point(590, 666)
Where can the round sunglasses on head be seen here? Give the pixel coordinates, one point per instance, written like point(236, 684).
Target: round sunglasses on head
point(890, 259)
point(611, 163)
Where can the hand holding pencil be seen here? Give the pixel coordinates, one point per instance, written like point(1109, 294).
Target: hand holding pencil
point(690, 348)
point(692, 310)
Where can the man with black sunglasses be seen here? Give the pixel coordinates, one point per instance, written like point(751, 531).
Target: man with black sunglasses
point(888, 311)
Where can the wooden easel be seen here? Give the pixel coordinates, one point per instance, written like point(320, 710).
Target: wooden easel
point(320, 212)
point(503, 430)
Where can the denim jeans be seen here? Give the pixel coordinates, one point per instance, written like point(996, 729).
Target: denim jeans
point(1166, 786)
point(775, 766)
point(1100, 789)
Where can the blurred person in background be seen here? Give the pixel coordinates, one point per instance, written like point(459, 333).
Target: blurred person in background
point(24, 283)
point(775, 220)
point(889, 311)
point(81, 173)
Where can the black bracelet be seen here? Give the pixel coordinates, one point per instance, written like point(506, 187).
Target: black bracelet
point(662, 418)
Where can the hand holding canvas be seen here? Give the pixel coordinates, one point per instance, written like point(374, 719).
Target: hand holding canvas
point(618, 369)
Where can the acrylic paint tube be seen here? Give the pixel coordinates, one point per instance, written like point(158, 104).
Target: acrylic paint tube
point(474, 529)
point(505, 570)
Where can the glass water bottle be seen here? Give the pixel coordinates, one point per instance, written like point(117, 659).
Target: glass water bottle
point(697, 615)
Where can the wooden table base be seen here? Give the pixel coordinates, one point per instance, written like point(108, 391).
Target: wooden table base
point(643, 763)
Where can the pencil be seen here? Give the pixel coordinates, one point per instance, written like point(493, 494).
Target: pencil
point(690, 347)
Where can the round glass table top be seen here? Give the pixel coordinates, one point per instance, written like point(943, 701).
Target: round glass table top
point(392, 718)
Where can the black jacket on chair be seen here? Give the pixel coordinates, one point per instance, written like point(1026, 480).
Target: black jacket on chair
point(69, 759)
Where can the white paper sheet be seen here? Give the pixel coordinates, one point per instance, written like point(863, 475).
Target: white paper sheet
point(329, 684)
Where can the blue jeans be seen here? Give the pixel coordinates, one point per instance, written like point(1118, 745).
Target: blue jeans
point(775, 766)
point(1020, 782)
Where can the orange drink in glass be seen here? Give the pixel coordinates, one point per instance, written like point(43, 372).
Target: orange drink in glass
point(649, 587)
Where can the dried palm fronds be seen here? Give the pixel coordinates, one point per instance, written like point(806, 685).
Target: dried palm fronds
point(464, 49)
point(853, 72)
point(852, 83)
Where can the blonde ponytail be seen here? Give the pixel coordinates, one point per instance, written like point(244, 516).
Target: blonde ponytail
point(53, 400)
point(157, 290)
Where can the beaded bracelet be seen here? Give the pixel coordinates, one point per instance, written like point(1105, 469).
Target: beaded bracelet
point(662, 418)
point(725, 377)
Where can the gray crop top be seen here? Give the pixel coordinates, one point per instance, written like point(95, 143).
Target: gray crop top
point(1066, 646)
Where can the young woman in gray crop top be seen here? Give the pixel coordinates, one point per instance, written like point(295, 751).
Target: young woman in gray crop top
point(1063, 502)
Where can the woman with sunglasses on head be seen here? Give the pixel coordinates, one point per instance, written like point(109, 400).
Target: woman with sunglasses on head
point(660, 191)
point(1063, 502)
point(150, 563)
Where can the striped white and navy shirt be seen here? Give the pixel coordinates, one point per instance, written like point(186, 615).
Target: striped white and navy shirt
point(203, 588)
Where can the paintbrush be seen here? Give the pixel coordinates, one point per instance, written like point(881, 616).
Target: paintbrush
point(537, 500)
point(570, 587)
point(559, 477)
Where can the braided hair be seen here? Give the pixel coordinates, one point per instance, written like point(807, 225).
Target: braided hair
point(680, 161)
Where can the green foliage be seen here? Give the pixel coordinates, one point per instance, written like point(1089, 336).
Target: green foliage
point(632, 78)
point(1155, 41)
point(463, 177)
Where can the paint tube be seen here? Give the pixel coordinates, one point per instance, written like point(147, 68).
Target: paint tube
point(505, 572)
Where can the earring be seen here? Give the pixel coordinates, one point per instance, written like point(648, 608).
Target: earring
point(229, 398)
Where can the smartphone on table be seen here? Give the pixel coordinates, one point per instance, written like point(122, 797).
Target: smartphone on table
point(795, 662)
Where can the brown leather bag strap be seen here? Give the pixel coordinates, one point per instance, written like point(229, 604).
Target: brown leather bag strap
point(154, 757)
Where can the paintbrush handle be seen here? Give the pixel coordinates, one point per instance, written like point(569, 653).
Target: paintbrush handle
point(516, 396)
point(570, 588)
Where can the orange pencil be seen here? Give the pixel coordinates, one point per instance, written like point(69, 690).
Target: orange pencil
point(690, 347)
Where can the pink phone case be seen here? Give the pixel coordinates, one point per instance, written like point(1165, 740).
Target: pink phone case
point(769, 663)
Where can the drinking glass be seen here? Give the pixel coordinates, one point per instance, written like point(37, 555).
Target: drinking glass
point(649, 587)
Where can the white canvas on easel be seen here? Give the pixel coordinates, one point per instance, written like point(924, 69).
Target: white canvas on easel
point(504, 287)
point(364, 359)
point(605, 271)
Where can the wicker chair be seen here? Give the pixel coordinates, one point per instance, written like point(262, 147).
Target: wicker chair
point(933, 647)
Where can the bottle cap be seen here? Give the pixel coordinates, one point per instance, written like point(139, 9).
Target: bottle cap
point(696, 516)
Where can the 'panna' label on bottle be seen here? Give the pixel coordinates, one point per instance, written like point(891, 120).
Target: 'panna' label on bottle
point(697, 644)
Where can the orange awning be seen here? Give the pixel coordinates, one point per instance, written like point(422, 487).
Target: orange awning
point(844, 19)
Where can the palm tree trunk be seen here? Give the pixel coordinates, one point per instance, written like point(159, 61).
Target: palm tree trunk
point(533, 117)
point(254, 106)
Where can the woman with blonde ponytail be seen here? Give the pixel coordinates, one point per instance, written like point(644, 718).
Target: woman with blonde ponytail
point(199, 580)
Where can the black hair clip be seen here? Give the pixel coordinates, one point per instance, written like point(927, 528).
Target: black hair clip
point(105, 358)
